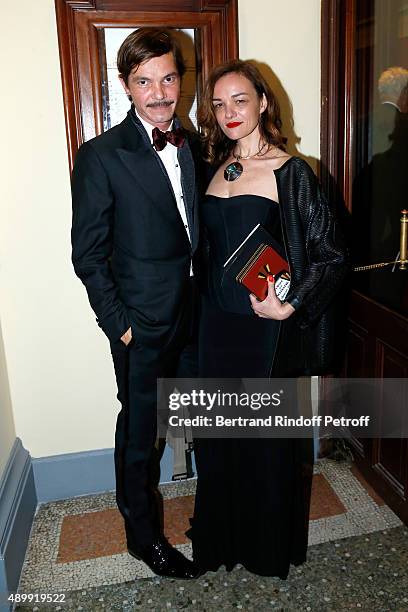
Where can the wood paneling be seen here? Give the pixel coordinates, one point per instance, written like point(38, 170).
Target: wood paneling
point(379, 350)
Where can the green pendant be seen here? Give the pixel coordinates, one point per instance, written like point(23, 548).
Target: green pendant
point(233, 171)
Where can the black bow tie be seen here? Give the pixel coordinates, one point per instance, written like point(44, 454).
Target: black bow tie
point(160, 139)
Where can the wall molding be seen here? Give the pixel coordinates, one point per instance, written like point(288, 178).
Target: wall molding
point(18, 503)
point(84, 473)
point(73, 474)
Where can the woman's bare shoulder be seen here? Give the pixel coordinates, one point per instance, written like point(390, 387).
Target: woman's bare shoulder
point(276, 159)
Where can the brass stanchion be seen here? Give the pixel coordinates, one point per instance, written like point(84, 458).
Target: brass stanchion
point(403, 253)
point(404, 239)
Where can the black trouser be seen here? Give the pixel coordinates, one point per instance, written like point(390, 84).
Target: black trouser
point(136, 458)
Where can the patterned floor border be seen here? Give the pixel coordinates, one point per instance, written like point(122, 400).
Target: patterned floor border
point(42, 572)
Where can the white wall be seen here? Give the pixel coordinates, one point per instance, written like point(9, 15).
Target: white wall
point(61, 378)
point(59, 369)
point(285, 35)
point(7, 429)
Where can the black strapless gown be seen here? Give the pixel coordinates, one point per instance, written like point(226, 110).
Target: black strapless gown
point(253, 495)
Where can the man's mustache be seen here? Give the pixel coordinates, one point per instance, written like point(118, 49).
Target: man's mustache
point(159, 104)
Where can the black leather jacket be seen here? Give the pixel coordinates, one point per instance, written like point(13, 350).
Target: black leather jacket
point(319, 263)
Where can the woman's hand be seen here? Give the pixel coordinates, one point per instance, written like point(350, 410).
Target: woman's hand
point(271, 307)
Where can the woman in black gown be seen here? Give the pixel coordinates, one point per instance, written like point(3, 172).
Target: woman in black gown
point(253, 495)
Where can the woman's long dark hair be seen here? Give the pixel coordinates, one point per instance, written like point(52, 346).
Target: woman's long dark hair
point(217, 146)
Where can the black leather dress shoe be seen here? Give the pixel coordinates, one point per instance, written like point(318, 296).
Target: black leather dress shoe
point(164, 560)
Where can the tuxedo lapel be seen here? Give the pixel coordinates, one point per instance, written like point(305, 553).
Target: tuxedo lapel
point(188, 183)
point(147, 171)
point(142, 161)
point(187, 170)
point(187, 174)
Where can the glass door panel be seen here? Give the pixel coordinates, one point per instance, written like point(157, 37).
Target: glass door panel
point(380, 182)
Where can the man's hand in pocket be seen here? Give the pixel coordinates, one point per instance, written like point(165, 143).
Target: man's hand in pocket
point(127, 336)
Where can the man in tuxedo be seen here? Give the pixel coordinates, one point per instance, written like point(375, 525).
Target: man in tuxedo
point(134, 233)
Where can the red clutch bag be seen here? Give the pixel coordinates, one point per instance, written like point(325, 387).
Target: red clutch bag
point(257, 257)
point(265, 261)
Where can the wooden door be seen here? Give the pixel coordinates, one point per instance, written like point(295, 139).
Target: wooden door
point(365, 165)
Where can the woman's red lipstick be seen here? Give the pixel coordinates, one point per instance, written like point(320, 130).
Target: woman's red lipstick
point(233, 124)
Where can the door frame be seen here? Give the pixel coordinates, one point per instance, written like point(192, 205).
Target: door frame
point(337, 99)
point(78, 25)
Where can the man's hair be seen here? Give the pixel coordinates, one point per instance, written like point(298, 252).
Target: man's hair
point(217, 146)
point(391, 83)
point(144, 44)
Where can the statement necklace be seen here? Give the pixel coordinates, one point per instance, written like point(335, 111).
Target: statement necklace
point(234, 170)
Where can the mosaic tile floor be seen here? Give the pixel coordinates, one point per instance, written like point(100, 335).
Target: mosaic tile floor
point(77, 546)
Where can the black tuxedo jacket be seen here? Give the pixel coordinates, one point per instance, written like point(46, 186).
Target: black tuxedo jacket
point(130, 247)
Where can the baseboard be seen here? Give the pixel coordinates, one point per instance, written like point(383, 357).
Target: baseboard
point(18, 502)
point(73, 474)
point(84, 473)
